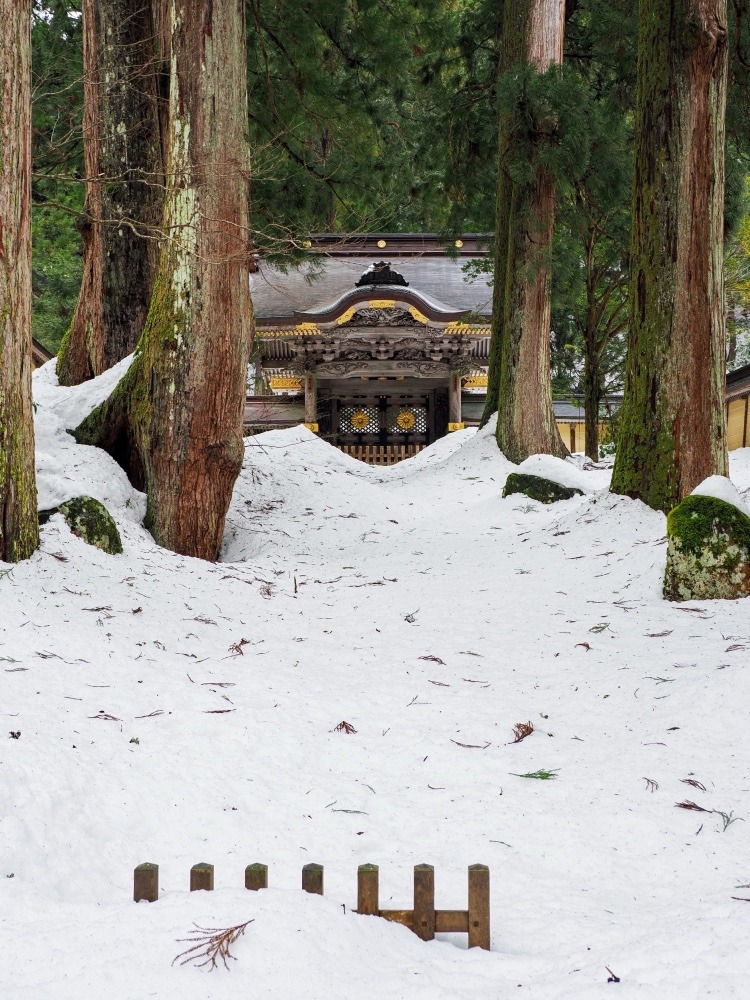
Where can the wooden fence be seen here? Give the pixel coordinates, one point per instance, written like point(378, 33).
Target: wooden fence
point(381, 454)
point(423, 918)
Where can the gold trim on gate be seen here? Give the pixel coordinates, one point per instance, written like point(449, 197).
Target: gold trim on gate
point(418, 316)
point(473, 329)
point(381, 303)
point(346, 316)
point(456, 427)
point(278, 383)
point(300, 330)
point(475, 382)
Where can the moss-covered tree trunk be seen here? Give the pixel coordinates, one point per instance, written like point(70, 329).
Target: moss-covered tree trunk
point(533, 33)
point(604, 318)
point(673, 432)
point(124, 187)
point(19, 528)
point(175, 420)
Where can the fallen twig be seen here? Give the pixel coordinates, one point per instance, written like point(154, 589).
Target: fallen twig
point(209, 944)
point(694, 783)
point(693, 806)
point(521, 730)
point(344, 727)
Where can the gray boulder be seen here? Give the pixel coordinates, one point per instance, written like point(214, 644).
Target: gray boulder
point(708, 551)
point(537, 488)
point(89, 520)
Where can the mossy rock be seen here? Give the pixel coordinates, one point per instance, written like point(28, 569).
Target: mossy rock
point(708, 551)
point(89, 520)
point(537, 488)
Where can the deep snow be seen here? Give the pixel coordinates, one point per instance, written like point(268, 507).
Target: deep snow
point(344, 587)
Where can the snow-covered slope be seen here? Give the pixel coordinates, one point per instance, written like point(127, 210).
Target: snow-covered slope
point(174, 711)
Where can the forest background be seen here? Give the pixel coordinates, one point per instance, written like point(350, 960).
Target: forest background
point(382, 117)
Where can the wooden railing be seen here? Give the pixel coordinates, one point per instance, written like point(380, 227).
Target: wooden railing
point(381, 454)
point(423, 918)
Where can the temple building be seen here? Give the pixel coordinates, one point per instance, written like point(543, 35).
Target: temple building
point(379, 344)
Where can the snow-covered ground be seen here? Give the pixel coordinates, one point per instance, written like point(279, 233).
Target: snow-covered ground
point(175, 711)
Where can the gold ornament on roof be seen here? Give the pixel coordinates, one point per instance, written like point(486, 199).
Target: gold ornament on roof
point(406, 420)
point(360, 420)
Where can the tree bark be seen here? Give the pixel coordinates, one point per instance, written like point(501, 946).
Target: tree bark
point(520, 351)
point(175, 420)
point(673, 432)
point(592, 398)
point(19, 527)
point(500, 251)
point(124, 187)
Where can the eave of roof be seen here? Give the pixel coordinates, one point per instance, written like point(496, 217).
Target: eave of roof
point(422, 307)
point(439, 282)
point(39, 353)
point(738, 382)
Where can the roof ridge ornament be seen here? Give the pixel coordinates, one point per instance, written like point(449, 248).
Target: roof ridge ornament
point(380, 273)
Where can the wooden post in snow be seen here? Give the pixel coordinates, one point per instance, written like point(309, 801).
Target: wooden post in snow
point(424, 902)
point(368, 890)
point(256, 877)
point(202, 877)
point(146, 883)
point(312, 879)
point(479, 907)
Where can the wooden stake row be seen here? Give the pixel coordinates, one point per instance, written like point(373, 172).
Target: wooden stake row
point(146, 879)
point(423, 919)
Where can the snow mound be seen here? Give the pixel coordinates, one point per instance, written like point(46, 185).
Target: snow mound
point(66, 469)
point(721, 488)
point(291, 479)
point(463, 455)
point(557, 470)
point(70, 404)
point(435, 453)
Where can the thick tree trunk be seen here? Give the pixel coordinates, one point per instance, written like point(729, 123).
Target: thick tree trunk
point(19, 528)
point(673, 431)
point(500, 250)
point(175, 421)
point(533, 34)
point(124, 187)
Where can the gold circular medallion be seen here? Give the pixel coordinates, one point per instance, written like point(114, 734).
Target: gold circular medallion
point(406, 420)
point(360, 420)
point(381, 244)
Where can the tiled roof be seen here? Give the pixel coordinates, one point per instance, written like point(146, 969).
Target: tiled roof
point(565, 410)
point(738, 382)
point(310, 287)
